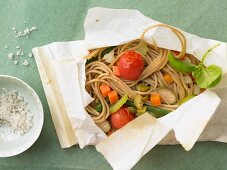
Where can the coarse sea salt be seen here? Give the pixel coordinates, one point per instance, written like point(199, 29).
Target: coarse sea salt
point(15, 116)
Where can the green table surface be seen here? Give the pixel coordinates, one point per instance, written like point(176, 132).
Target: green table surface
point(63, 21)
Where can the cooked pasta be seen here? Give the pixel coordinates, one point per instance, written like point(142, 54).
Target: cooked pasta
point(157, 74)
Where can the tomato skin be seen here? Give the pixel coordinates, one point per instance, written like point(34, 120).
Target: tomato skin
point(131, 65)
point(120, 118)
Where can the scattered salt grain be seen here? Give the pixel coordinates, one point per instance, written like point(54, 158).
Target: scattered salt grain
point(6, 47)
point(26, 32)
point(25, 63)
point(10, 56)
point(15, 62)
point(18, 52)
point(30, 55)
point(17, 47)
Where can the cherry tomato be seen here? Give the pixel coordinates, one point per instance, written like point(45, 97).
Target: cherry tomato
point(120, 118)
point(131, 65)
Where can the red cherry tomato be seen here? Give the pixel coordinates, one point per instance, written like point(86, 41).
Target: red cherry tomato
point(131, 65)
point(121, 118)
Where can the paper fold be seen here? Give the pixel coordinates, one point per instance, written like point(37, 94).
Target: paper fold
point(64, 85)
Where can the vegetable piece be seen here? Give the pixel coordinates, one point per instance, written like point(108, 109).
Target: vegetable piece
point(186, 99)
point(121, 118)
point(131, 65)
point(142, 87)
point(179, 65)
point(104, 126)
point(98, 107)
point(168, 78)
point(113, 97)
point(138, 100)
point(145, 98)
point(142, 111)
point(116, 70)
point(118, 104)
point(187, 79)
point(196, 90)
point(154, 111)
point(105, 89)
point(155, 99)
point(132, 109)
point(168, 94)
point(208, 77)
point(109, 57)
point(205, 77)
point(142, 48)
point(107, 50)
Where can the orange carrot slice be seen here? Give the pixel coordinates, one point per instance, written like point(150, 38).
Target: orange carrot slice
point(116, 70)
point(105, 89)
point(167, 77)
point(155, 99)
point(113, 97)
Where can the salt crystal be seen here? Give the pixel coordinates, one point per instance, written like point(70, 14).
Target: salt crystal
point(10, 56)
point(25, 63)
point(30, 55)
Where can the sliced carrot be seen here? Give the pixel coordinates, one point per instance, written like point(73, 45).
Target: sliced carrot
point(155, 99)
point(167, 77)
point(113, 97)
point(105, 89)
point(116, 70)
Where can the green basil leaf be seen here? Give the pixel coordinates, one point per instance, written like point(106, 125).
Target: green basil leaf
point(181, 66)
point(208, 77)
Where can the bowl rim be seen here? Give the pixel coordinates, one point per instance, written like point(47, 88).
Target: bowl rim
point(40, 123)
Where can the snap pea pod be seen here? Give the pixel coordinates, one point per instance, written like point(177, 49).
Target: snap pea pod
point(154, 111)
point(178, 65)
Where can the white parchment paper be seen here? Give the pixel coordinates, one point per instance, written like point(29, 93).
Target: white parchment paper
point(123, 149)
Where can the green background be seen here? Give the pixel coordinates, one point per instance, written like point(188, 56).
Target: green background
point(62, 20)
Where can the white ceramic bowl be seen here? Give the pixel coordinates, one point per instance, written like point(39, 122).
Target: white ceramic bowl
point(22, 142)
